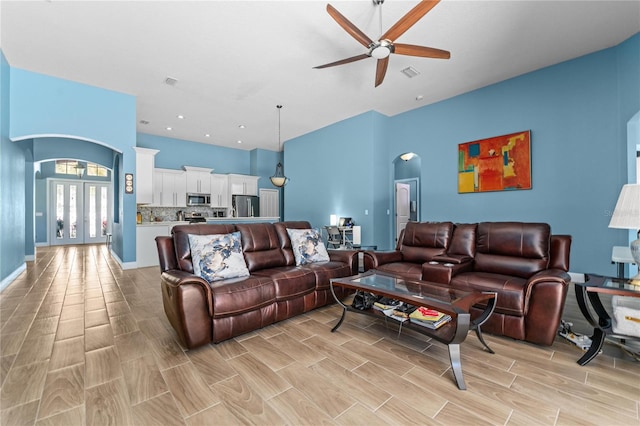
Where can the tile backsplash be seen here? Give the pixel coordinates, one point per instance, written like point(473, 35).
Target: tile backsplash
point(168, 214)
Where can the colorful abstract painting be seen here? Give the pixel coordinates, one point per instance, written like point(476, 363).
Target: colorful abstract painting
point(501, 163)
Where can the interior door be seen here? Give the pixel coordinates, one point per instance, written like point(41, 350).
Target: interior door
point(403, 210)
point(96, 212)
point(66, 213)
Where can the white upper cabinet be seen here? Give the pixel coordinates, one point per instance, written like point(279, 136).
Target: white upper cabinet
point(243, 184)
point(145, 163)
point(219, 190)
point(198, 180)
point(169, 188)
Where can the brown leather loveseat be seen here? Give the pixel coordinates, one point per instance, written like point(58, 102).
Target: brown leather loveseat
point(276, 289)
point(522, 262)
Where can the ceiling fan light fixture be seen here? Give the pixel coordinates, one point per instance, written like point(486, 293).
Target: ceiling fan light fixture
point(381, 49)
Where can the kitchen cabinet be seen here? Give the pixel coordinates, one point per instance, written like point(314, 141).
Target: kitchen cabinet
point(169, 188)
point(198, 180)
point(243, 184)
point(145, 163)
point(219, 190)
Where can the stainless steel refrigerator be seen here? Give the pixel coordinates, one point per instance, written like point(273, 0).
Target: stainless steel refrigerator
point(246, 205)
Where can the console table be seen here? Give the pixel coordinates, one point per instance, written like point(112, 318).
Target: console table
point(588, 296)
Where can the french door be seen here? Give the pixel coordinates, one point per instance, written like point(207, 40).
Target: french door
point(79, 212)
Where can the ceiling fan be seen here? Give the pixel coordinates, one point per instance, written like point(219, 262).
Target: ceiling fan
point(385, 45)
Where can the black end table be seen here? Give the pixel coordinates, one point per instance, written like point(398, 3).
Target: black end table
point(588, 295)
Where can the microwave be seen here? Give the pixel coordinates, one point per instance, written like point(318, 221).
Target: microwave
point(198, 200)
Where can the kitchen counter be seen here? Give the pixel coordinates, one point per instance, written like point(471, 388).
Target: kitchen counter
point(172, 223)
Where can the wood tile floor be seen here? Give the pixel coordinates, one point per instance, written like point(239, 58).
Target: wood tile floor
point(86, 343)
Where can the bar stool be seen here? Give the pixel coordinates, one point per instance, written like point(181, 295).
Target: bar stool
point(108, 240)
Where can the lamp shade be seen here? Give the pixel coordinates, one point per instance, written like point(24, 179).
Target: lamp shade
point(626, 215)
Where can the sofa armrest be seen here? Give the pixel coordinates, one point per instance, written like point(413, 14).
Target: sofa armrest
point(373, 259)
point(544, 302)
point(452, 258)
point(349, 257)
point(188, 303)
point(442, 272)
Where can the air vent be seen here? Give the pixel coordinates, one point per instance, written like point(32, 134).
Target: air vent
point(410, 72)
point(170, 81)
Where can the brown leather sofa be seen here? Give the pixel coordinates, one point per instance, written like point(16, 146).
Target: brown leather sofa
point(522, 262)
point(276, 289)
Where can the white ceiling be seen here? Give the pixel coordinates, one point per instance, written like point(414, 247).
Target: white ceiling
point(236, 60)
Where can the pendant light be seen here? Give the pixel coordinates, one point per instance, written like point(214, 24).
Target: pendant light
point(279, 179)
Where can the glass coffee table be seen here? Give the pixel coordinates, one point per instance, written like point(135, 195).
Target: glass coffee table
point(440, 297)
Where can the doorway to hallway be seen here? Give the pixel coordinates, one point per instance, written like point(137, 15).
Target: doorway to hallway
point(78, 212)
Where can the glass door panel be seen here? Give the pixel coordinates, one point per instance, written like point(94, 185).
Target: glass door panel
point(96, 219)
point(66, 202)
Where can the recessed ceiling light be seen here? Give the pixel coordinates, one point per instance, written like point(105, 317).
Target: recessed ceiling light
point(419, 98)
point(170, 81)
point(169, 128)
point(241, 126)
point(206, 135)
point(239, 141)
point(181, 117)
point(143, 122)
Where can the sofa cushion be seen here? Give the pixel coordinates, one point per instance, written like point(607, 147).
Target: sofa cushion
point(289, 281)
point(217, 257)
point(423, 241)
point(510, 289)
point(411, 271)
point(237, 295)
point(285, 241)
point(307, 246)
point(261, 246)
point(512, 248)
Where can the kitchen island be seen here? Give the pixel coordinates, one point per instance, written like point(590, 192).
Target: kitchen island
point(146, 233)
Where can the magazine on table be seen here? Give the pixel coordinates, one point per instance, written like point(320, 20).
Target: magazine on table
point(429, 318)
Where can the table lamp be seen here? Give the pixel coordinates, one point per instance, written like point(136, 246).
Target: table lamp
point(626, 215)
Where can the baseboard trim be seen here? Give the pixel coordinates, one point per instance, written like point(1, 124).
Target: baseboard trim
point(123, 265)
point(9, 279)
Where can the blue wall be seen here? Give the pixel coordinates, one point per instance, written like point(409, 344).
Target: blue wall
point(577, 112)
point(331, 173)
point(48, 107)
point(12, 189)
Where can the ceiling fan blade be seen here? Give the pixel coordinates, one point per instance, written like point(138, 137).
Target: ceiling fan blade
point(361, 37)
point(425, 52)
point(409, 19)
point(343, 61)
point(381, 70)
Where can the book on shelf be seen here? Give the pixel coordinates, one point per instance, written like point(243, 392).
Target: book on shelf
point(432, 324)
point(386, 303)
point(426, 314)
point(429, 318)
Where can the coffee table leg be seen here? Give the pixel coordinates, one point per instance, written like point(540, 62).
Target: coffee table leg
point(456, 365)
point(344, 308)
point(335, 327)
point(479, 334)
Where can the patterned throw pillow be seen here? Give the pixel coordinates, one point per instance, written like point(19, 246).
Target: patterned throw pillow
point(217, 257)
point(307, 246)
